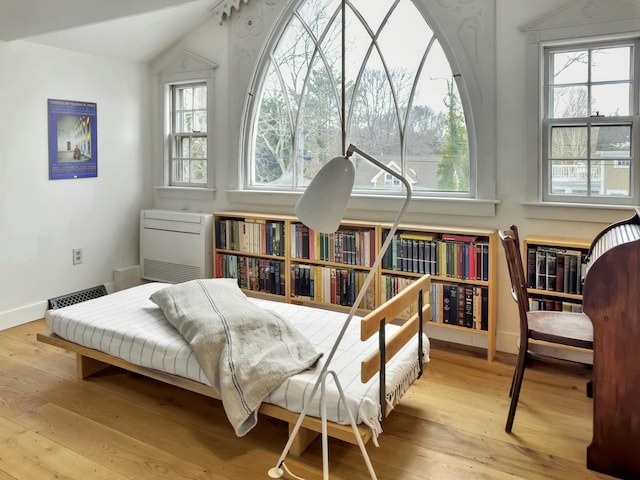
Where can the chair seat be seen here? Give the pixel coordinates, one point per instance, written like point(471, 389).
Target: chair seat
point(568, 328)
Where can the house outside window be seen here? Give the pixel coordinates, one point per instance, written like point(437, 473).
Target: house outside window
point(590, 122)
point(401, 104)
point(188, 136)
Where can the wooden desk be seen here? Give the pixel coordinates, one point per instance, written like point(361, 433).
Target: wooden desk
point(612, 301)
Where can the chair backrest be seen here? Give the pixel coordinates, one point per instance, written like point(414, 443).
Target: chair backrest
point(511, 244)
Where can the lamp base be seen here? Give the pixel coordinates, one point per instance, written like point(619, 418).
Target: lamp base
point(276, 472)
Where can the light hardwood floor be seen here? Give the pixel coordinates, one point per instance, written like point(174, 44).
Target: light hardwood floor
point(121, 426)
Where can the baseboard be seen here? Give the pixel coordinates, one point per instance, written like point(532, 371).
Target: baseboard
point(26, 314)
point(29, 313)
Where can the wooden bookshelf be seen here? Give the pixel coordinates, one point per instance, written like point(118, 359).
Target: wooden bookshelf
point(555, 269)
point(276, 256)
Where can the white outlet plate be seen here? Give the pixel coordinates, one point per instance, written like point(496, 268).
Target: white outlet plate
point(77, 256)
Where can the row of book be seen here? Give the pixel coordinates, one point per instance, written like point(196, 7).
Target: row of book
point(461, 305)
point(555, 269)
point(262, 237)
point(256, 274)
point(452, 304)
point(554, 304)
point(351, 246)
point(447, 255)
point(337, 286)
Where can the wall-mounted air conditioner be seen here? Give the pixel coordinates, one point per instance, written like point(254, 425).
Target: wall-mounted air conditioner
point(175, 246)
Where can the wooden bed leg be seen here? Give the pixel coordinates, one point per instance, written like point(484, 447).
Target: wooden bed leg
point(302, 441)
point(85, 366)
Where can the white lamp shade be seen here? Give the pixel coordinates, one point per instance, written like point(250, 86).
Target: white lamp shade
point(324, 202)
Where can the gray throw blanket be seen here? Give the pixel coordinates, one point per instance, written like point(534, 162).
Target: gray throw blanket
point(244, 350)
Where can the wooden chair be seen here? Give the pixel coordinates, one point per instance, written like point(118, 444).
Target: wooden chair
point(564, 328)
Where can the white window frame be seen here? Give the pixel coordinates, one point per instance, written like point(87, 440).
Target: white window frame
point(184, 68)
point(547, 123)
point(481, 187)
point(178, 137)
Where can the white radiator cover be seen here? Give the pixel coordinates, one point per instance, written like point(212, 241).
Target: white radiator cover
point(175, 246)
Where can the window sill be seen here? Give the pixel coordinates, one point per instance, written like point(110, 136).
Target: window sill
point(188, 193)
point(576, 212)
point(374, 203)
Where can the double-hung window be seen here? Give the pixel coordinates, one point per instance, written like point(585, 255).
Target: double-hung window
point(188, 137)
point(590, 127)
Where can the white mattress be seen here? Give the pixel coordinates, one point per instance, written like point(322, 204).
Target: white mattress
point(128, 325)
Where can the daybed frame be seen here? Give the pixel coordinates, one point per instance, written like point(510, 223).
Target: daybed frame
point(90, 362)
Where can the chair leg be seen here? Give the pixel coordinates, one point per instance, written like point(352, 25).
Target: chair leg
point(514, 392)
point(513, 381)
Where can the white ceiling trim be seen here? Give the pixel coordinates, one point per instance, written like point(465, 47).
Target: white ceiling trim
point(223, 9)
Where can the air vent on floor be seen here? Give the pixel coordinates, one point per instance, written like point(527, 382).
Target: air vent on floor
point(77, 297)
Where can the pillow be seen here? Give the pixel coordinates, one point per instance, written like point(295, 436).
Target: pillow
point(244, 350)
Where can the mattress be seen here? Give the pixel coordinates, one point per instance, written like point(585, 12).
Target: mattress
point(127, 325)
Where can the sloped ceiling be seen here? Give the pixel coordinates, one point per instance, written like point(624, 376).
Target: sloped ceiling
point(131, 30)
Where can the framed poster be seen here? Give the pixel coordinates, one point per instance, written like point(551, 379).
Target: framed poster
point(73, 135)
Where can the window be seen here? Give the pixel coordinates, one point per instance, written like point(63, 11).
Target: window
point(590, 124)
point(188, 138)
point(401, 105)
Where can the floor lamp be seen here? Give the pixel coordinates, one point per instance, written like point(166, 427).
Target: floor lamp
point(322, 207)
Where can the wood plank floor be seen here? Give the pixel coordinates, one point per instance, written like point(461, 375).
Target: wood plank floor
point(121, 426)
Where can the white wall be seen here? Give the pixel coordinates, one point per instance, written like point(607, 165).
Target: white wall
point(41, 221)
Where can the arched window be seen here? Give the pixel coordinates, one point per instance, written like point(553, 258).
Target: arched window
point(401, 101)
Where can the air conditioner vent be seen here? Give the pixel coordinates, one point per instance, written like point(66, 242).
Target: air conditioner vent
point(170, 272)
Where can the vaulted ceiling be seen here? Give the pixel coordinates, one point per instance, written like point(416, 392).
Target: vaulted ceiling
point(132, 30)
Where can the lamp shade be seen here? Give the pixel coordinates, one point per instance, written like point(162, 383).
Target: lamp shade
point(324, 202)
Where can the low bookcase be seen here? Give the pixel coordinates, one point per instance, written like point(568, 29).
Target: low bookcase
point(276, 256)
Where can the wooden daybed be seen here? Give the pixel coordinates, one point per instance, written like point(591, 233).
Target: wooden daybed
point(415, 297)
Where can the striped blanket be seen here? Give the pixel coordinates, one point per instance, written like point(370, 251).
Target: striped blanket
point(244, 350)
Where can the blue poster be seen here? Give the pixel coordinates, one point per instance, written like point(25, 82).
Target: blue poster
point(73, 135)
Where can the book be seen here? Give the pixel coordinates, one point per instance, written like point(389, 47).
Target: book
point(452, 237)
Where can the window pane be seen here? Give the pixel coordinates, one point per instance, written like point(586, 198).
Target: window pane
point(198, 147)
point(568, 142)
point(611, 64)
point(610, 100)
point(569, 177)
point(181, 147)
point(293, 55)
point(185, 151)
point(611, 141)
point(198, 171)
point(200, 121)
point(610, 178)
point(569, 67)
point(200, 98)
point(180, 170)
point(568, 102)
point(185, 98)
point(273, 137)
point(184, 122)
point(319, 136)
point(317, 13)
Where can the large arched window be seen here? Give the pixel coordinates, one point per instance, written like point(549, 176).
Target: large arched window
point(401, 101)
